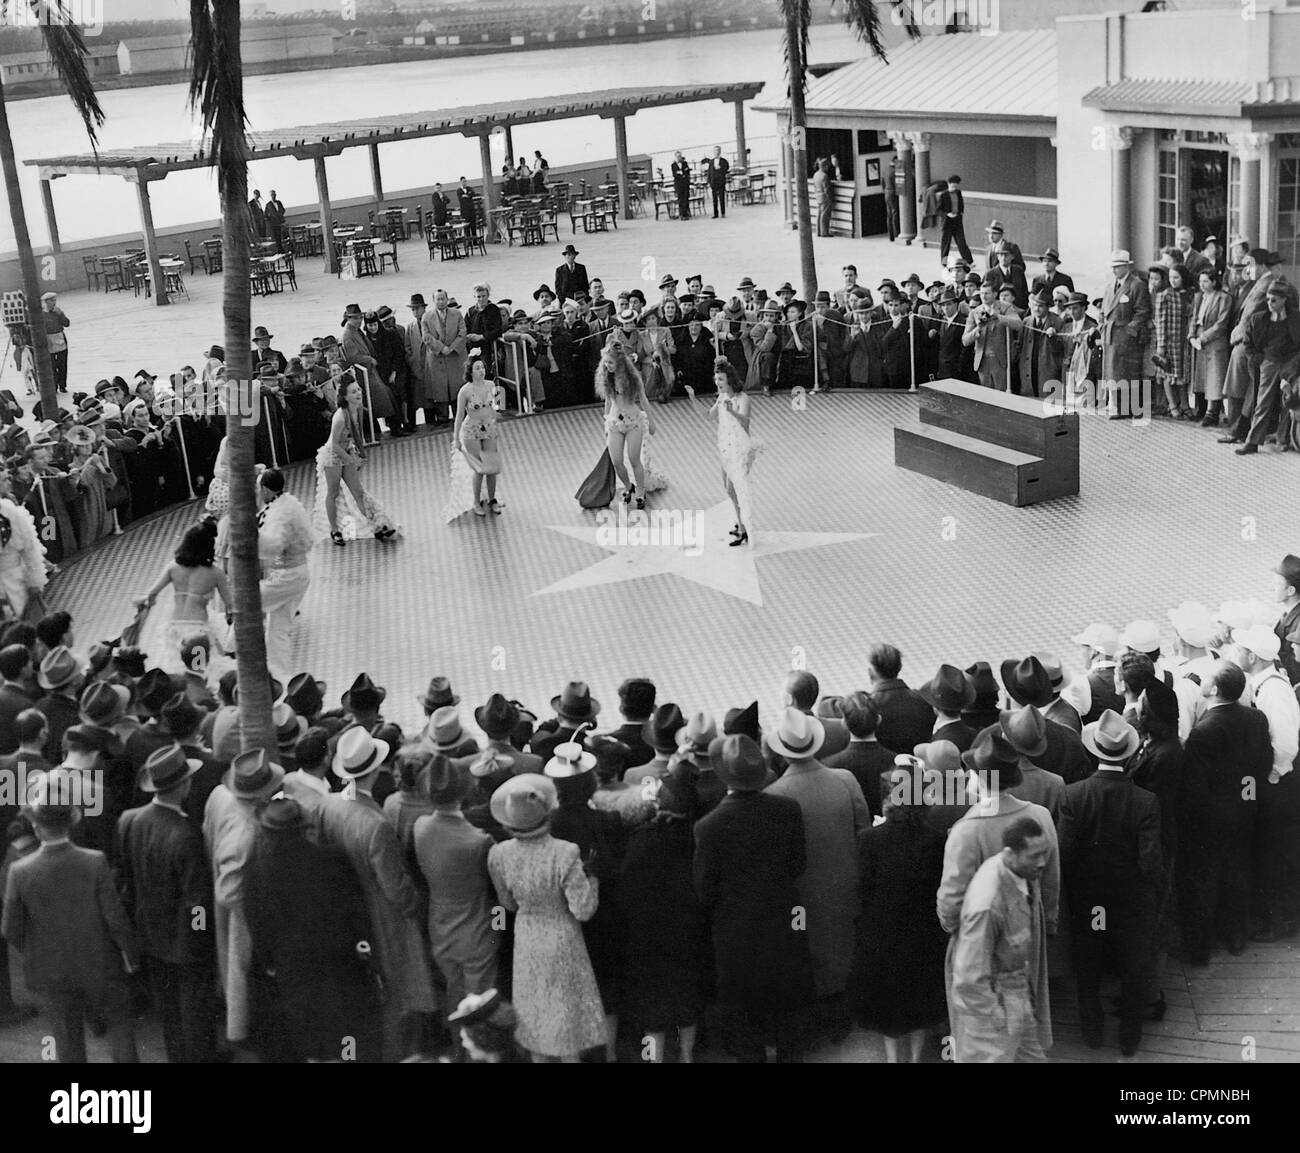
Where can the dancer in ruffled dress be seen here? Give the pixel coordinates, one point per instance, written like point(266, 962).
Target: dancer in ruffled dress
point(338, 474)
point(217, 504)
point(736, 447)
point(475, 453)
point(628, 425)
point(22, 556)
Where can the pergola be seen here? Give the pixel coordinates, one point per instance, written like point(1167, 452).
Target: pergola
point(315, 142)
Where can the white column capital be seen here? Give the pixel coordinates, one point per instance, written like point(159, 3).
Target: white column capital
point(1052, 141)
point(1119, 137)
point(1250, 145)
point(920, 140)
point(901, 141)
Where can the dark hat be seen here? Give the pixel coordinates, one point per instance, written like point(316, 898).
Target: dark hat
point(417, 301)
point(179, 717)
point(104, 704)
point(1289, 570)
point(497, 718)
point(305, 694)
point(518, 315)
point(370, 316)
point(636, 697)
point(660, 728)
point(1042, 296)
point(100, 739)
point(267, 370)
point(166, 768)
point(104, 386)
point(155, 689)
point(991, 752)
point(253, 775)
point(738, 761)
point(1051, 254)
point(129, 661)
point(949, 295)
point(914, 279)
point(990, 281)
point(145, 374)
point(1077, 298)
point(448, 781)
point(568, 250)
point(364, 694)
point(545, 288)
point(438, 694)
point(1025, 729)
point(950, 690)
point(981, 676)
point(973, 278)
point(786, 287)
point(822, 297)
point(384, 312)
point(745, 282)
point(1027, 681)
point(695, 276)
point(304, 349)
point(576, 703)
point(313, 746)
point(350, 311)
point(282, 815)
point(97, 660)
point(1258, 255)
point(743, 722)
point(259, 333)
point(1162, 702)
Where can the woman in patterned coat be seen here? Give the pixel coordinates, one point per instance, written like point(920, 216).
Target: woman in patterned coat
point(554, 988)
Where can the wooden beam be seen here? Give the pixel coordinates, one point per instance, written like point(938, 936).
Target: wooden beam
point(151, 243)
point(510, 146)
point(620, 165)
point(741, 149)
point(489, 187)
point(51, 221)
point(377, 178)
point(326, 215)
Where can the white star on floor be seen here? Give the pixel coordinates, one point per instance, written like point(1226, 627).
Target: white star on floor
point(692, 545)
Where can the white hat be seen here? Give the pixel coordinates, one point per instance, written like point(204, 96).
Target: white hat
point(1243, 614)
point(1103, 638)
point(1192, 621)
point(1121, 256)
point(1260, 640)
point(358, 753)
point(1141, 637)
point(570, 760)
point(797, 736)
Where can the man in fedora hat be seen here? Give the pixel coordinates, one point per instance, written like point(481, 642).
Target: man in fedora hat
point(362, 701)
point(997, 240)
point(1027, 682)
point(905, 718)
point(994, 768)
point(354, 821)
point(865, 757)
point(1025, 729)
point(575, 708)
point(499, 718)
point(834, 812)
point(1052, 278)
point(636, 702)
point(998, 998)
point(990, 328)
point(1286, 592)
point(1227, 746)
point(1111, 858)
point(749, 854)
point(182, 721)
point(953, 359)
point(571, 277)
point(62, 912)
point(660, 733)
point(15, 672)
point(452, 855)
point(1125, 315)
point(1005, 272)
point(309, 784)
point(309, 927)
point(802, 691)
point(164, 877)
point(229, 834)
point(950, 693)
point(415, 346)
point(306, 696)
point(437, 696)
point(444, 731)
point(61, 677)
point(1039, 347)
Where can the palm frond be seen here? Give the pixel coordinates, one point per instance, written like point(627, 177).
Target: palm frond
point(215, 92)
point(66, 48)
point(863, 16)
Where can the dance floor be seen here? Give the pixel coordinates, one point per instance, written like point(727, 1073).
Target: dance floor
point(847, 550)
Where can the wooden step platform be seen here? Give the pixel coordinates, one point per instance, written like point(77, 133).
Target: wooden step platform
point(1003, 474)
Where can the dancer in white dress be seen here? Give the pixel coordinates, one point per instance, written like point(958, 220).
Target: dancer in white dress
point(736, 447)
point(22, 556)
point(338, 474)
point(628, 423)
point(218, 501)
point(475, 453)
point(195, 581)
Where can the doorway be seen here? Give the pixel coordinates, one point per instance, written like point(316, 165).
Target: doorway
point(1205, 192)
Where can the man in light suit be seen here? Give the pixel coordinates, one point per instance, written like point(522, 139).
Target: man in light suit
point(1125, 317)
point(444, 333)
point(416, 347)
point(986, 332)
point(63, 914)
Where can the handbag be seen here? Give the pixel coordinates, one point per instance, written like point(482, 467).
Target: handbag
point(597, 491)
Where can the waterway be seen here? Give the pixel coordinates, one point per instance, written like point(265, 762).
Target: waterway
point(102, 206)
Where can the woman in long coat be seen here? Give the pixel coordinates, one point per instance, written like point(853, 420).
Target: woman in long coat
point(1208, 336)
point(761, 341)
point(444, 331)
point(554, 988)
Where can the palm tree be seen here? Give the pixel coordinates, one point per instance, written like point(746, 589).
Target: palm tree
point(864, 18)
point(67, 52)
point(217, 95)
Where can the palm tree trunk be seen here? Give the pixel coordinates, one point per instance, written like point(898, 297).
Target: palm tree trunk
point(799, 149)
point(27, 264)
point(245, 569)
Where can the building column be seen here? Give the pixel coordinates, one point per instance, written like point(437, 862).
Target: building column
point(907, 198)
point(1250, 148)
point(787, 174)
point(326, 215)
point(921, 148)
point(620, 165)
point(377, 179)
point(51, 221)
point(489, 187)
point(741, 147)
point(1120, 140)
point(150, 239)
point(510, 146)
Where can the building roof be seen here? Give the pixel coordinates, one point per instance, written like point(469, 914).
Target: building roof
point(247, 32)
point(966, 76)
point(156, 160)
point(1199, 97)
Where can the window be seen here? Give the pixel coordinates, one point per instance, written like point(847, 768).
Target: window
point(1234, 197)
point(1167, 197)
point(1287, 231)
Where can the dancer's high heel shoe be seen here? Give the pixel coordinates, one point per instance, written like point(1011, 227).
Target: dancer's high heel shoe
point(495, 506)
point(629, 493)
point(735, 530)
point(337, 538)
point(385, 532)
point(480, 508)
point(743, 538)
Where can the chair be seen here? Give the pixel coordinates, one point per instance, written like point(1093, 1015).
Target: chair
point(415, 227)
point(213, 250)
point(202, 258)
point(283, 269)
point(364, 250)
point(299, 240)
point(550, 219)
point(261, 278)
point(174, 283)
point(475, 238)
point(389, 255)
point(93, 272)
point(395, 226)
point(115, 278)
point(140, 281)
point(665, 202)
point(443, 241)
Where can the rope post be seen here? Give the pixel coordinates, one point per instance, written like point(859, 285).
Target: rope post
point(911, 344)
point(270, 436)
point(185, 455)
point(816, 340)
point(1008, 332)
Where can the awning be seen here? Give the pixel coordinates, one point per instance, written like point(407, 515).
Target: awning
point(1238, 98)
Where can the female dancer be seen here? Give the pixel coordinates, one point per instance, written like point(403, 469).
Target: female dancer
point(735, 445)
point(194, 578)
point(341, 458)
point(475, 453)
point(627, 420)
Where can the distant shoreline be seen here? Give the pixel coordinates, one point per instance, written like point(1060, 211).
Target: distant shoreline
point(357, 58)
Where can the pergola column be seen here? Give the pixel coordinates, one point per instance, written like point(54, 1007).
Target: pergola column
point(376, 178)
point(907, 198)
point(741, 149)
point(150, 238)
point(1250, 148)
point(1120, 140)
point(51, 221)
point(326, 214)
point(620, 165)
point(787, 172)
point(921, 150)
point(489, 187)
point(510, 146)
